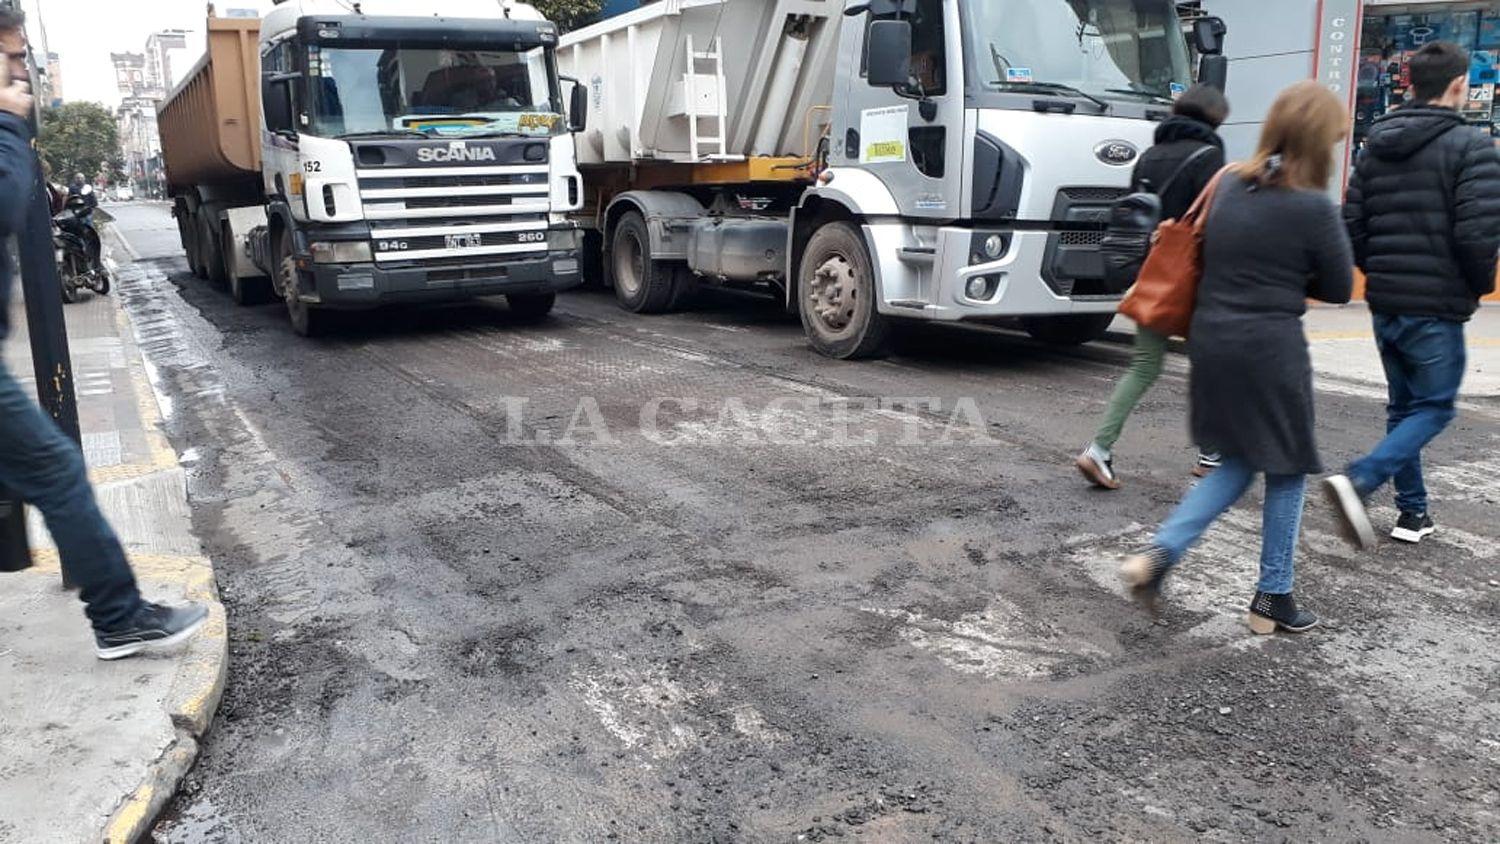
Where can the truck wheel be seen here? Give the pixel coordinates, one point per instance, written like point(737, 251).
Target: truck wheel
point(1070, 330)
point(531, 307)
point(211, 253)
point(244, 291)
point(642, 285)
point(836, 286)
point(307, 321)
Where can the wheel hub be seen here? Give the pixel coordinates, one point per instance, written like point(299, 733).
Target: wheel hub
point(833, 293)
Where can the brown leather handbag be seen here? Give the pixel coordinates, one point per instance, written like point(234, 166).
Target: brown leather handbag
point(1166, 290)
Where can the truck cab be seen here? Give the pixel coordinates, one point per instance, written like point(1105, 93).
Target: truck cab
point(402, 158)
point(980, 146)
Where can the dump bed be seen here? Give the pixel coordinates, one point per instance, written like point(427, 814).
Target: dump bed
point(747, 77)
point(210, 124)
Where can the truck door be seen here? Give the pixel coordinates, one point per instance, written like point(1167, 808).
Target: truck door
point(911, 137)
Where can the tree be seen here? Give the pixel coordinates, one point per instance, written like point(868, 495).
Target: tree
point(569, 14)
point(79, 138)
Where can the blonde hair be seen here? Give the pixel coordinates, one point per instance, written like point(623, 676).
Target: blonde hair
point(1296, 144)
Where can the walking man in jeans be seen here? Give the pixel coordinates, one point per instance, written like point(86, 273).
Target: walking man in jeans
point(1424, 214)
point(37, 462)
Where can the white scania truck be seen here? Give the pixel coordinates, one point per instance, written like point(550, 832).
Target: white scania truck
point(875, 161)
point(374, 152)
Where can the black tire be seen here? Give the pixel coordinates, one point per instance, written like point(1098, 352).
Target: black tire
point(531, 307)
point(642, 284)
point(68, 274)
point(307, 321)
point(1070, 330)
point(244, 291)
point(210, 251)
point(836, 296)
point(196, 247)
point(104, 282)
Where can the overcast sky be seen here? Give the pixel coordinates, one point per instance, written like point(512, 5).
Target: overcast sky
point(85, 32)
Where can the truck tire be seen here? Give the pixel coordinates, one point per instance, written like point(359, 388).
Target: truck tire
point(642, 284)
point(210, 252)
point(1069, 330)
point(193, 239)
point(531, 307)
point(836, 291)
point(244, 291)
point(307, 321)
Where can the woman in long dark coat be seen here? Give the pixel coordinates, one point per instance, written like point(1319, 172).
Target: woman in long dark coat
point(1273, 240)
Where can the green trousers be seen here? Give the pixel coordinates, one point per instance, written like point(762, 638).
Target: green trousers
point(1145, 367)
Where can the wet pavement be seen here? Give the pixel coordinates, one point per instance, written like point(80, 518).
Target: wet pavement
point(678, 578)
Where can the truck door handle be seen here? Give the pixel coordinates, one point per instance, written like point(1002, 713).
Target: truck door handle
point(851, 143)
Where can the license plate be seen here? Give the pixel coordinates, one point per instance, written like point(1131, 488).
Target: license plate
point(463, 241)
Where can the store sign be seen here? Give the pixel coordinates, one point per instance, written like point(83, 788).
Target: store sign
point(1337, 66)
point(1338, 45)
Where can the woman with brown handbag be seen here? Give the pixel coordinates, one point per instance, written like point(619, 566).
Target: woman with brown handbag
point(1272, 239)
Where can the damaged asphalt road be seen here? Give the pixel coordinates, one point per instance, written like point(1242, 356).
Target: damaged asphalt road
point(472, 597)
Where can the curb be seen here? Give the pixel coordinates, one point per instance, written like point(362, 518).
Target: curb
point(202, 668)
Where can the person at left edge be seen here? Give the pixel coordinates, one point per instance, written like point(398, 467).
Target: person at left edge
point(39, 463)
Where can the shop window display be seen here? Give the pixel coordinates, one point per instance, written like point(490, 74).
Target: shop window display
point(1389, 42)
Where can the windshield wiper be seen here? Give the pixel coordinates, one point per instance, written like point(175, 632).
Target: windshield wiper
point(385, 133)
point(1151, 95)
point(1056, 87)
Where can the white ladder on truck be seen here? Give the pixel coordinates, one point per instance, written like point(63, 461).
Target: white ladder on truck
point(705, 146)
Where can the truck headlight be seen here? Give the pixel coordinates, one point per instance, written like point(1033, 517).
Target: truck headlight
point(564, 240)
point(342, 252)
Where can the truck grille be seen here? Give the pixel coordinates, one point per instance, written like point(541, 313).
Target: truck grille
point(421, 214)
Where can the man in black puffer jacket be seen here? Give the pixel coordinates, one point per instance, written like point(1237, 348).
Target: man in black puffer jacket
point(1424, 215)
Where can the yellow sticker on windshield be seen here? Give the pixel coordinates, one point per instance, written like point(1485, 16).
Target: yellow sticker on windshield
point(543, 121)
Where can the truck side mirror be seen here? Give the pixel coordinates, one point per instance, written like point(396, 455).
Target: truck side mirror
point(889, 50)
point(1213, 71)
point(1208, 36)
point(578, 108)
point(276, 97)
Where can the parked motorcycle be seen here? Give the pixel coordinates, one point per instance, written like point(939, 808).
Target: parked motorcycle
point(78, 249)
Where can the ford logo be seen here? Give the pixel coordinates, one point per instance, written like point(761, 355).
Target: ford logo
point(1116, 153)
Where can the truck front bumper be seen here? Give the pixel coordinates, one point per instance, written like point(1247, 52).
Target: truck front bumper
point(930, 278)
point(368, 285)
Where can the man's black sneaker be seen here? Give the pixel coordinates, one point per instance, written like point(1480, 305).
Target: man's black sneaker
point(154, 626)
point(1349, 506)
point(1413, 527)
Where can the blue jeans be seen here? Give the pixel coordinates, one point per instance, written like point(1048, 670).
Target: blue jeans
point(1424, 360)
point(45, 469)
point(1281, 520)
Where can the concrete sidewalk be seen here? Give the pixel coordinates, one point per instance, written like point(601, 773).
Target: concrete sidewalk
point(92, 750)
point(1344, 355)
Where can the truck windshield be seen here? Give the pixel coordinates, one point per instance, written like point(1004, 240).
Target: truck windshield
point(1104, 48)
point(449, 93)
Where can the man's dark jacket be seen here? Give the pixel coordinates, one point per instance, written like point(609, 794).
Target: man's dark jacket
point(1178, 139)
point(15, 187)
point(1423, 212)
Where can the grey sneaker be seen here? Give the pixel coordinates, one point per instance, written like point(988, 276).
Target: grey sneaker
point(1097, 465)
point(155, 626)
